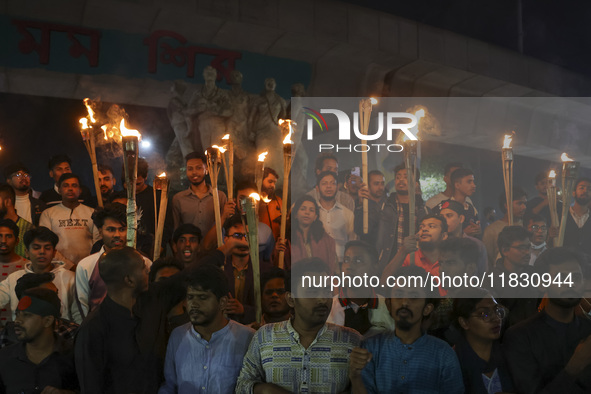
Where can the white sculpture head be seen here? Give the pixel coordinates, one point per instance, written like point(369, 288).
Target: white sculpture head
point(270, 84)
point(210, 74)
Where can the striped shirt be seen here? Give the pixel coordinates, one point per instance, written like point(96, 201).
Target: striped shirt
point(23, 227)
point(276, 356)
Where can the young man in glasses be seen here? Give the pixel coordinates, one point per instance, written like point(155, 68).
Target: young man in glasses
point(19, 178)
point(537, 226)
point(239, 272)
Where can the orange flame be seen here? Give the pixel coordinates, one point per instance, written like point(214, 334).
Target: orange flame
point(373, 100)
point(89, 109)
point(226, 137)
point(125, 132)
point(263, 156)
point(564, 157)
point(507, 141)
point(163, 175)
point(552, 174)
point(84, 123)
point(255, 196)
point(266, 200)
point(287, 139)
point(104, 127)
point(222, 149)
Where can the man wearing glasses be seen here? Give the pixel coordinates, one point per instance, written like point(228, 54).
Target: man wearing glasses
point(238, 270)
point(19, 178)
point(537, 226)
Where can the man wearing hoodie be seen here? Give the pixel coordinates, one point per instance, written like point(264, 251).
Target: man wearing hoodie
point(40, 243)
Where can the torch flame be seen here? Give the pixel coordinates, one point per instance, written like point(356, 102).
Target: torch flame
point(104, 127)
point(89, 109)
point(287, 139)
point(281, 121)
point(565, 157)
point(263, 156)
point(163, 175)
point(373, 100)
point(222, 149)
point(552, 174)
point(255, 196)
point(226, 137)
point(84, 123)
point(507, 141)
point(125, 132)
point(266, 200)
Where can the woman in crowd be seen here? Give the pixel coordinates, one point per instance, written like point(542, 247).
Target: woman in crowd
point(480, 319)
point(308, 238)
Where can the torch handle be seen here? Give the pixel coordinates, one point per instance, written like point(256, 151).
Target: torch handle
point(231, 171)
point(97, 186)
point(567, 187)
point(218, 219)
point(130, 157)
point(253, 243)
point(161, 218)
point(286, 169)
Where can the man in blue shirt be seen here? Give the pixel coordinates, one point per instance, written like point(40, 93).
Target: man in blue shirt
point(205, 355)
point(406, 360)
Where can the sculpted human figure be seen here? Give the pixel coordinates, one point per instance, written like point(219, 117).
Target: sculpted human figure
point(268, 109)
point(177, 107)
point(207, 112)
point(237, 126)
point(299, 167)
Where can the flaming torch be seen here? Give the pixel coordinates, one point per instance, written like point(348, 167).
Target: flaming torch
point(130, 142)
point(161, 183)
point(230, 174)
point(251, 226)
point(570, 173)
point(88, 135)
point(260, 170)
point(365, 107)
point(551, 192)
point(288, 154)
point(507, 157)
point(213, 165)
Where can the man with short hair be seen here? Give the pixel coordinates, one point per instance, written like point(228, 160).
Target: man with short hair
point(538, 228)
point(8, 211)
point(338, 220)
point(111, 222)
point(305, 353)
point(549, 353)
point(41, 243)
point(489, 239)
point(449, 186)
point(578, 225)
point(59, 165)
point(195, 205)
point(328, 162)
point(185, 243)
point(9, 261)
point(273, 301)
point(453, 212)
point(19, 178)
point(270, 212)
point(356, 307)
point(42, 362)
point(107, 181)
point(376, 199)
point(206, 354)
point(464, 187)
point(395, 361)
point(538, 205)
point(71, 221)
point(393, 225)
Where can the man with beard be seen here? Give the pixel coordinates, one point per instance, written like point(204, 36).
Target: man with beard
point(42, 361)
point(273, 301)
point(578, 225)
point(206, 354)
point(19, 178)
point(338, 220)
point(550, 352)
point(393, 218)
point(10, 262)
point(328, 162)
point(377, 198)
point(395, 361)
point(239, 272)
point(59, 165)
point(8, 211)
point(270, 212)
point(432, 230)
point(185, 243)
point(195, 205)
point(357, 307)
point(111, 222)
point(107, 181)
point(305, 353)
point(514, 245)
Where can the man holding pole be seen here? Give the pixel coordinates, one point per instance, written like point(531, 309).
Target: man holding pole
point(578, 225)
point(270, 212)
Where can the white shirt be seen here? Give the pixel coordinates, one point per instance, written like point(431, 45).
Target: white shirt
point(339, 224)
point(579, 220)
point(74, 227)
point(23, 207)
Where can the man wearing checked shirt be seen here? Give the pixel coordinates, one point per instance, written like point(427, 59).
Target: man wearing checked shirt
point(304, 354)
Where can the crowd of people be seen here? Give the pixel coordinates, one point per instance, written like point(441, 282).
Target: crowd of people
point(83, 312)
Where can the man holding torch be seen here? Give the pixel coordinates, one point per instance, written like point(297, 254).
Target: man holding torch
point(578, 225)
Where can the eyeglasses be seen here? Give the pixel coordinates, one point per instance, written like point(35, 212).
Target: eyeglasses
point(22, 174)
point(270, 292)
point(487, 316)
point(535, 228)
point(238, 235)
